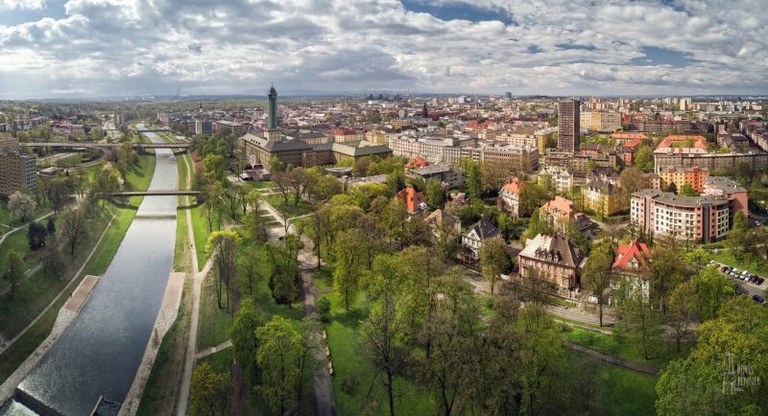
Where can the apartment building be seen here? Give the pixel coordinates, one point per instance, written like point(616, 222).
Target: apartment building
point(559, 177)
point(695, 177)
point(552, 258)
point(691, 151)
point(568, 122)
point(18, 171)
point(701, 219)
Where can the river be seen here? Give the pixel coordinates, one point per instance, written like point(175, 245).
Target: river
point(98, 355)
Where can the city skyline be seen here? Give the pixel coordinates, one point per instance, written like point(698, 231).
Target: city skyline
point(99, 48)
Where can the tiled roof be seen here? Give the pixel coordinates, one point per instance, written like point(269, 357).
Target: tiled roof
point(484, 229)
point(636, 250)
point(554, 249)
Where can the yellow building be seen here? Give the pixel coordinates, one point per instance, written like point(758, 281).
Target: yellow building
point(602, 197)
point(695, 176)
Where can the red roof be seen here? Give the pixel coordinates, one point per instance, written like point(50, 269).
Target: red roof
point(699, 142)
point(635, 250)
point(632, 143)
point(512, 186)
point(411, 198)
point(636, 136)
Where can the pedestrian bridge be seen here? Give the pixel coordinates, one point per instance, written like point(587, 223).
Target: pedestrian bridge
point(89, 145)
point(155, 193)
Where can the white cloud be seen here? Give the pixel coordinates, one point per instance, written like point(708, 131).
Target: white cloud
point(113, 47)
point(21, 4)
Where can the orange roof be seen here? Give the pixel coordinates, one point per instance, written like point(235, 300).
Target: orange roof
point(417, 162)
point(512, 186)
point(635, 250)
point(638, 136)
point(411, 198)
point(559, 205)
point(632, 143)
point(699, 142)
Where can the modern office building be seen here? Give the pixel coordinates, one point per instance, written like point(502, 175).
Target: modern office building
point(568, 123)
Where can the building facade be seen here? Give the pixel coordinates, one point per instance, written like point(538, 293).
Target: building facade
point(702, 219)
point(552, 258)
point(18, 171)
point(568, 122)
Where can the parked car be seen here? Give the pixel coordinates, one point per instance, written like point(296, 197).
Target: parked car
point(758, 299)
point(760, 280)
point(724, 269)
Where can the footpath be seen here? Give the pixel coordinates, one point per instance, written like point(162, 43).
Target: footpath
point(325, 405)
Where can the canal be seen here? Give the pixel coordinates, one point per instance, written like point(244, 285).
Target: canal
point(99, 354)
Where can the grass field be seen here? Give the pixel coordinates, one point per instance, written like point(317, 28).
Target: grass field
point(618, 347)
point(200, 228)
point(354, 377)
point(289, 211)
point(620, 391)
point(751, 264)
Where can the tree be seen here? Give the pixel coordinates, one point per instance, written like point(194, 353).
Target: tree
point(641, 323)
point(248, 319)
point(450, 360)
point(725, 372)
point(493, 260)
point(221, 246)
point(435, 193)
point(74, 228)
point(687, 190)
point(279, 357)
point(36, 234)
point(382, 339)
point(210, 391)
point(712, 290)
point(541, 358)
point(473, 173)
point(632, 180)
point(257, 226)
point(644, 158)
point(283, 182)
point(51, 226)
point(15, 271)
point(682, 311)
point(21, 206)
point(214, 168)
point(284, 280)
point(597, 274)
point(214, 194)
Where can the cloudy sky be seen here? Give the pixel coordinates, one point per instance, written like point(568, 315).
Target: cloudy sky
point(92, 48)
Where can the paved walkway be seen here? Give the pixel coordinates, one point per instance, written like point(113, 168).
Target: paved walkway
point(615, 361)
point(325, 405)
point(213, 350)
point(197, 284)
point(13, 230)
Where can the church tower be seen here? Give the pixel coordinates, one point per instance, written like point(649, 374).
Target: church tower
point(272, 132)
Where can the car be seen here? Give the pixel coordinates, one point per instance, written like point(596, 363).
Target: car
point(723, 269)
point(758, 299)
point(752, 278)
point(760, 280)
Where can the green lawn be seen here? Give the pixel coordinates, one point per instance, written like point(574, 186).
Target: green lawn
point(277, 201)
point(200, 228)
point(620, 391)
point(618, 347)
point(353, 374)
point(748, 263)
point(260, 184)
point(214, 322)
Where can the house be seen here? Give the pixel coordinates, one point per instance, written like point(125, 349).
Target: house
point(473, 239)
point(509, 197)
point(558, 176)
point(553, 258)
point(446, 174)
point(414, 201)
point(602, 197)
point(441, 222)
point(560, 213)
point(632, 264)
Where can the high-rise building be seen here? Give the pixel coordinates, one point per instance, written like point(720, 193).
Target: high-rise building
point(17, 170)
point(568, 124)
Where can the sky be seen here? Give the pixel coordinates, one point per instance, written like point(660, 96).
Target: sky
point(113, 48)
